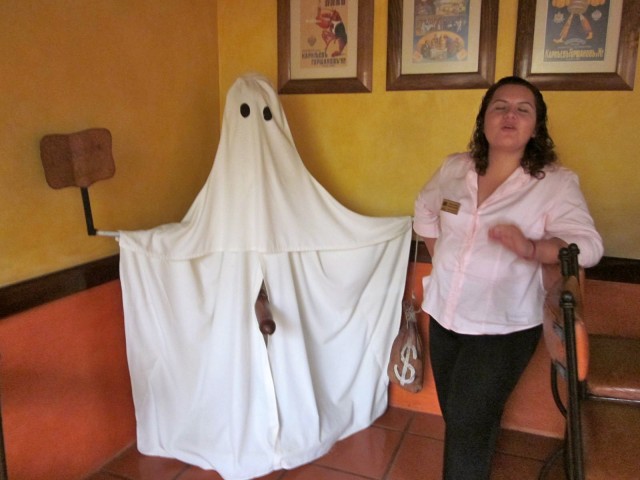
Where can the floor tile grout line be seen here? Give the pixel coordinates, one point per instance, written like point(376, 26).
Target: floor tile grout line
point(182, 472)
point(392, 460)
point(334, 469)
point(403, 436)
point(104, 467)
point(114, 475)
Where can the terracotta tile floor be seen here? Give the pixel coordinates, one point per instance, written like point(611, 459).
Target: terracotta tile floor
point(401, 445)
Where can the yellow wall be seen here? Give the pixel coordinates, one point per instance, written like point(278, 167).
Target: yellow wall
point(156, 73)
point(145, 69)
point(374, 151)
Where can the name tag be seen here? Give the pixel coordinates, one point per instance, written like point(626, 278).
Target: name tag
point(450, 206)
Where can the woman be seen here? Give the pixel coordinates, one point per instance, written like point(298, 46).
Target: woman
point(491, 218)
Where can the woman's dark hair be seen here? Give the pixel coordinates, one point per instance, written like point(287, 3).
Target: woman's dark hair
point(538, 153)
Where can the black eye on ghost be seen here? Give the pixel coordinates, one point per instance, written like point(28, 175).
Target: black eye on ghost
point(245, 111)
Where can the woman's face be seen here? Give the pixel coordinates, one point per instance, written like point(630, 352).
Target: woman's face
point(510, 119)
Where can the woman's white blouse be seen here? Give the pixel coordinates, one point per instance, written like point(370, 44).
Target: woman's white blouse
point(477, 286)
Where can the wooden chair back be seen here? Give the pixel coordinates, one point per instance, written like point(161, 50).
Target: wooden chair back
point(567, 342)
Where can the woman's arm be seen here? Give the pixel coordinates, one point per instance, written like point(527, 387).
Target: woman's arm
point(571, 221)
point(544, 251)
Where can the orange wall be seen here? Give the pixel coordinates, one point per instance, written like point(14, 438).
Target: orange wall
point(530, 408)
point(156, 73)
point(66, 394)
point(63, 375)
point(610, 308)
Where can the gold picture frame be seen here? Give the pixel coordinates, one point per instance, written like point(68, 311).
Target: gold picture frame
point(592, 50)
point(313, 56)
point(429, 48)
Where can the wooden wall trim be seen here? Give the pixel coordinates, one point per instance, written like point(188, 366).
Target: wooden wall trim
point(31, 293)
point(37, 291)
point(611, 269)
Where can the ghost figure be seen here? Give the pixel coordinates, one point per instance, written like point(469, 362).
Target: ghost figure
point(207, 389)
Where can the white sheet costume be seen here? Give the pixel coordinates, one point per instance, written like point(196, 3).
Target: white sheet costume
point(206, 388)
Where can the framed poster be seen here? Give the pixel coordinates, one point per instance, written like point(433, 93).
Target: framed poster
point(325, 46)
point(577, 44)
point(434, 44)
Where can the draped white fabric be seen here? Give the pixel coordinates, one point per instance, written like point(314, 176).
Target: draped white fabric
point(207, 389)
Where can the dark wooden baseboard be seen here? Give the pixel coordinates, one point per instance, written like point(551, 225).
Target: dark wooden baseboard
point(611, 269)
point(37, 291)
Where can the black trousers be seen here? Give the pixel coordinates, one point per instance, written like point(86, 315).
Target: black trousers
point(474, 376)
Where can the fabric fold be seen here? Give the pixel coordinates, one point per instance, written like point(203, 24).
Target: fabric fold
point(207, 388)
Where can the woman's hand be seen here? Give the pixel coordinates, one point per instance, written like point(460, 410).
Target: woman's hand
point(511, 237)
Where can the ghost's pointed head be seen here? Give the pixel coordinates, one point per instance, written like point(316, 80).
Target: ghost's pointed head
point(252, 100)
